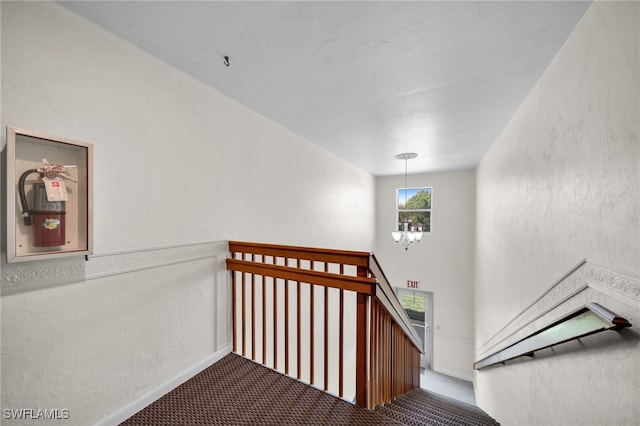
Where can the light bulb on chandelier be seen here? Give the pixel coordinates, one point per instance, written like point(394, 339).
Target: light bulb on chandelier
point(408, 235)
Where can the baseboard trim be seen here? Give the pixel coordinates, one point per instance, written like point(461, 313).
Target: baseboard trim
point(132, 408)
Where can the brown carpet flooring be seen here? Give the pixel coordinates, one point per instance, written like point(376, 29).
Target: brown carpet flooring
point(236, 391)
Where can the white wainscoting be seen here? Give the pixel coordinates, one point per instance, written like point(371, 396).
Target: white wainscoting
point(106, 336)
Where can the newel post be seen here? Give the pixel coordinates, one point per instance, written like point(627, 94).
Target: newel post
point(361, 344)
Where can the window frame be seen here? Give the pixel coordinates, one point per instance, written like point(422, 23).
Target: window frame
point(429, 210)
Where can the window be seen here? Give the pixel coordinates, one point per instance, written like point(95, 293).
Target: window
point(414, 207)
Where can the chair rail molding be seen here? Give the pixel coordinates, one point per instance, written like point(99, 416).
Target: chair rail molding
point(20, 277)
point(585, 282)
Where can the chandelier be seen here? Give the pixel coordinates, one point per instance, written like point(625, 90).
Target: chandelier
point(408, 235)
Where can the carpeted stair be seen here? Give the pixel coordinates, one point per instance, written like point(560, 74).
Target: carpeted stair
point(236, 391)
point(420, 407)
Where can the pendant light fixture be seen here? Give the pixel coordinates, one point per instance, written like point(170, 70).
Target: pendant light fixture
point(407, 235)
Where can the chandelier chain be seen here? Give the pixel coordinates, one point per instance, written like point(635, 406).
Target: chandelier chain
point(407, 236)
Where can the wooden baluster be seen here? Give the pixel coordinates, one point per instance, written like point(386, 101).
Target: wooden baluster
point(243, 318)
point(409, 365)
point(298, 331)
point(377, 361)
point(405, 365)
point(412, 365)
point(394, 373)
point(396, 361)
point(243, 310)
point(275, 323)
point(391, 362)
point(264, 320)
point(401, 371)
point(401, 375)
point(416, 370)
point(326, 333)
point(341, 341)
point(234, 321)
point(379, 357)
point(311, 336)
point(387, 357)
point(252, 280)
point(373, 378)
point(361, 350)
point(286, 324)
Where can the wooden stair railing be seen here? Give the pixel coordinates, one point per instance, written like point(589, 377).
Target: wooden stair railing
point(284, 296)
point(592, 318)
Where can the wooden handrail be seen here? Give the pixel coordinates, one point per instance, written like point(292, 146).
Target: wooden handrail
point(590, 319)
point(387, 348)
point(357, 284)
point(345, 257)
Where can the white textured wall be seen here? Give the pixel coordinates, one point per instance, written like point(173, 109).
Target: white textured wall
point(442, 262)
point(176, 162)
point(168, 149)
point(561, 184)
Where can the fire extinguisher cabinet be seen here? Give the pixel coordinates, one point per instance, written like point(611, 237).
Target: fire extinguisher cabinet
point(49, 196)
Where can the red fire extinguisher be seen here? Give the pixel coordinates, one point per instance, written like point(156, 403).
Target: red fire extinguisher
point(47, 217)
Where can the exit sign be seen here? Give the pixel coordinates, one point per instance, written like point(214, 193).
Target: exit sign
point(412, 284)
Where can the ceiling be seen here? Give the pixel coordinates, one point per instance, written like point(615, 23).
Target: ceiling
point(365, 80)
